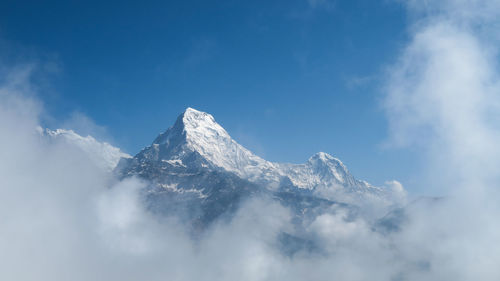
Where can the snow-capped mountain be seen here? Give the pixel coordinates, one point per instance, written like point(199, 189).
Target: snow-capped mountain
point(196, 166)
point(197, 141)
point(103, 154)
point(197, 172)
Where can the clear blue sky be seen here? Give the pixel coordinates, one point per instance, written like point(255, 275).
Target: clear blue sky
point(285, 78)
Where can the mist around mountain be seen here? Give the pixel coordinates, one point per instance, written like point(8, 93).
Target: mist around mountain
point(206, 215)
point(197, 174)
point(196, 166)
point(170, 212)
point(65, 216)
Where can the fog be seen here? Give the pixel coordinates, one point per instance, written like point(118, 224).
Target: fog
point(64, 218)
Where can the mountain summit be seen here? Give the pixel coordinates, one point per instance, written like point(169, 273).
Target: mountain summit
point(196, 169)
point(196, 142)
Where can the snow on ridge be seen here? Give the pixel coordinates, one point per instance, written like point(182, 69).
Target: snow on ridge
point(202, 134)
point(102, 153)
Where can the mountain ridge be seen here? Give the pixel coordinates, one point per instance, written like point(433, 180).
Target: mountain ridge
point(196, 171)
point(197, 140)
point(103, 154)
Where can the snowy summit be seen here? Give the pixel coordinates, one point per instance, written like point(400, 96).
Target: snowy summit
point(196, 140)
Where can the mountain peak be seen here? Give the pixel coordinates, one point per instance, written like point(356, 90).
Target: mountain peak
point(197, 134)
point(201, 125)
point(196, 140)
point(192, 115)
point(325, 157)
point(191, 125)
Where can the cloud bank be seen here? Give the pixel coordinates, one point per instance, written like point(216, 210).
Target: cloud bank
point(64, 218)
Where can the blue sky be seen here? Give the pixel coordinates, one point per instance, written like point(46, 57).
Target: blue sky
point(285, 78)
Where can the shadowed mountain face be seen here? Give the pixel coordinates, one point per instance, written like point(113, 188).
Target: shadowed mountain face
point(197, 170)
